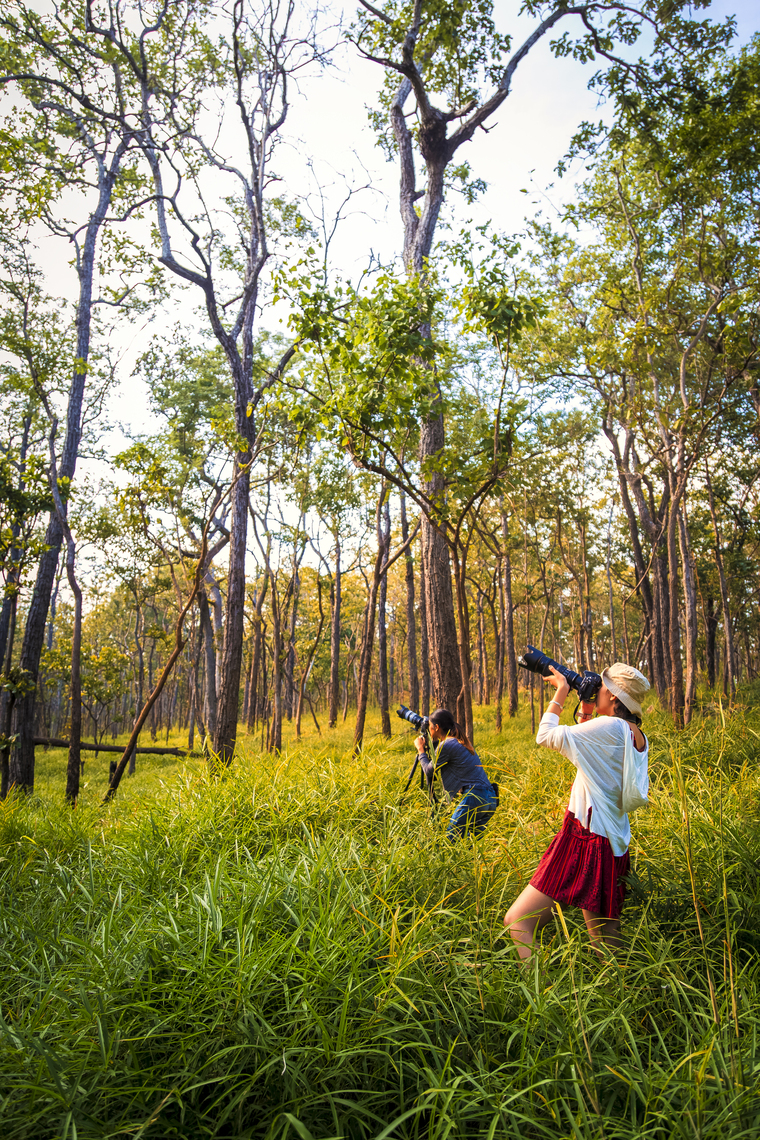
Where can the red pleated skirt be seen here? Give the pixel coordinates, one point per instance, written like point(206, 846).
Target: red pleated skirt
point(579, 868)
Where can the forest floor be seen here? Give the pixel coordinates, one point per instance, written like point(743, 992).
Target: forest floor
point(292, 951)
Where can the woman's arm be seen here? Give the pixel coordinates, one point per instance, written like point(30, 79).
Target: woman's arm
point(562, 687)
point(428, 766)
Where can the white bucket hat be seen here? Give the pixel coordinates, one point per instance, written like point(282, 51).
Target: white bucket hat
point(628, 684)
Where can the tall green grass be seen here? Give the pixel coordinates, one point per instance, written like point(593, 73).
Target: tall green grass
point(292, 951)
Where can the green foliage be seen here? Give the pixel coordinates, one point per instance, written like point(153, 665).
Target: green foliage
point(368, 376)
point(459, 49)
point(103, 669)
point(292, 952)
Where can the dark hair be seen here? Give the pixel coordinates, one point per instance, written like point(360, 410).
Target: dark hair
point(619, 708)
point(444, 720)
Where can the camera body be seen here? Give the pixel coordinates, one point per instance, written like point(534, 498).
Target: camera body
point(586, 684)
point(419, 722)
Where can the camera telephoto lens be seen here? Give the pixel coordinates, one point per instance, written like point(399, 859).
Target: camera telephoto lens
point(586, 685)
point(417, 721)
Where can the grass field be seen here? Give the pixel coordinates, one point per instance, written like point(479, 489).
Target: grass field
point(292, 951)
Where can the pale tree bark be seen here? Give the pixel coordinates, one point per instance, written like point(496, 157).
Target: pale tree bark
point(368, 630)
point(728, 632)
point(216, 609)
point(209, 653)
point(610, 594)
point(509, 643)
point(501, 642)
point(482, 667)
point(443, 654)
point(674, 631)
point(581, 577)
point(411, 617)
point(290, 653)
point(424, 649)
point(336, 600)
point(384, 542)
point(8, 614)
point(9, 607)
point(256, 662)
point(690, 614)
point(22, 755)
point(382, 564)
point(306, 670)
point(73, 766)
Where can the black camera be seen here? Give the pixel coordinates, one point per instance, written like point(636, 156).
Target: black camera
point(417, 721)
point(586, 684)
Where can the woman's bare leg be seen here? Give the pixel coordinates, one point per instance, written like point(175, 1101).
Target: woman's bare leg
point(603, 930)
point(527, 915)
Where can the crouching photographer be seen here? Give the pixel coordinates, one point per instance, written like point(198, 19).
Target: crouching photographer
point(460, 769)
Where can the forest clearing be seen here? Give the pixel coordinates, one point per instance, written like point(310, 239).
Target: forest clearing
point(357, 356)
point(293, 952)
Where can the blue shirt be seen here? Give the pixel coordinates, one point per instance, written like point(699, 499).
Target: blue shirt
point(457, 766)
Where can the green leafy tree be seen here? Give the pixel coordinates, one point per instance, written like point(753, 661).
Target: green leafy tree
point(457, 69)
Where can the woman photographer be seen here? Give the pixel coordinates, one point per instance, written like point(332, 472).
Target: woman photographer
point(587, 860)
point(461, 771)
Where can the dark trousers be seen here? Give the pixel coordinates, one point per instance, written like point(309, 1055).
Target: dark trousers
point(473, 813)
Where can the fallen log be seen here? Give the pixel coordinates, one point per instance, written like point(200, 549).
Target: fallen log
point(52, 742)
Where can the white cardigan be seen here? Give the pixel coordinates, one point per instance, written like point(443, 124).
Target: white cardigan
point(598, 750)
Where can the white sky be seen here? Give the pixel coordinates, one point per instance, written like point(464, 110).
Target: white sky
point(328, 122)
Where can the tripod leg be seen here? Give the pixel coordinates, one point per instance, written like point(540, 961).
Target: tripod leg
point(411, 774)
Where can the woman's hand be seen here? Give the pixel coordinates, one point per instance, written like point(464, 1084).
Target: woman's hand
point(560, 684)
point(420, 742)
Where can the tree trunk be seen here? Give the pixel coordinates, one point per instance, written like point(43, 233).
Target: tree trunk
point(690, 611)
point(463, 711)
point(335, 639)
point(302, 694)
point(247, 686)
point(445, 666)
point(140, 670)
point(228, 698)
point(501, 641)
point(9, 607)
point(587, 612)
point(411, 617)
point(661, 651)
point(21, 771)
point(290, 656)
point(424, 650)
point(384, 542)
point(481, 652)
point(368, 632)
point(274, 743)
point(216, 608)
point(711, 629)
point(510, 656)
point(677, 697)
point(258, 642)
point(540, 680)
point(73, 766)
point(610, 595)
point(209, 648)
point(730, 664)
